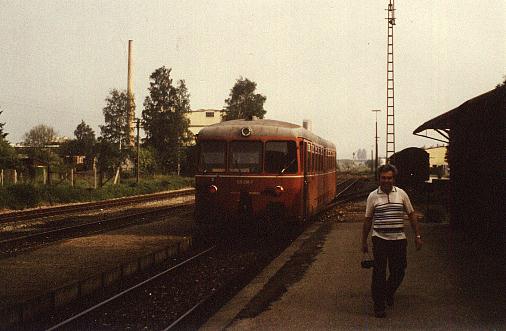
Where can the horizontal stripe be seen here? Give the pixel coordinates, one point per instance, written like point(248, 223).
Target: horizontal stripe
point(390, 230)
point(383, 223)
point(389, 217)
point(388, 204)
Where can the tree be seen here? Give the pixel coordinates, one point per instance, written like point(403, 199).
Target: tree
point(39, 136)
point(8, 155)
point(164, 118)
point(147, 160)
point(83, 144)
point(2, 133)
point(243, 102)
point(116, 129)
point(108, 157)
point(85, 141)
point(84, 133)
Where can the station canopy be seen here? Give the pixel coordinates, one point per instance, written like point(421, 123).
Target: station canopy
point(475, 107)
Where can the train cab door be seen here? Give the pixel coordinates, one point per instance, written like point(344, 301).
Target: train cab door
point(305, 184)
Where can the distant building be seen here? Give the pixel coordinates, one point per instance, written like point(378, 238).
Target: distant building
point(437, 160)
point(201, 118)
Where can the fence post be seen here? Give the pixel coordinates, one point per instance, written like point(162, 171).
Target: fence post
point(116, 177)
point(2, 177)
point(72, 177)
point(15, 176)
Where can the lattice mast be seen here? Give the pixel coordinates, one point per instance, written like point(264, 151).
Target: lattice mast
point(390, 136)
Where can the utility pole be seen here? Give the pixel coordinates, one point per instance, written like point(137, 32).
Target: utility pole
point(376, 143)
point(137, 161)
point(130, 106)
point(372, 162)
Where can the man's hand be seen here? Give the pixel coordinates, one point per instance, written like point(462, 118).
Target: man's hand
point(418, 243)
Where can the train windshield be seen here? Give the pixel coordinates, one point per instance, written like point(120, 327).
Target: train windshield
point(280, 157)
point(212, 156)
point(245, 156)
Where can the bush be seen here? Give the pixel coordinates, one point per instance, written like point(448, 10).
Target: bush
point(21, 196)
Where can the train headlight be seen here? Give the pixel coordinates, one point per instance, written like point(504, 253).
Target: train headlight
point(246, 131)
point(278, 190)
point(212, 189)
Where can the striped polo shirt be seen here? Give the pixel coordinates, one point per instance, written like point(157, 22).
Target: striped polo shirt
point(387, 212)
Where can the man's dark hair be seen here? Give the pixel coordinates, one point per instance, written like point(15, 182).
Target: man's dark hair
point(387, 167)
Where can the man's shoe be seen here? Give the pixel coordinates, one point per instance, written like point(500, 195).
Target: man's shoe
point(380, 313)
point(390, 300)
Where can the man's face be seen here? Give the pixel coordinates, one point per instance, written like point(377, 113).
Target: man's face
point(386, 181)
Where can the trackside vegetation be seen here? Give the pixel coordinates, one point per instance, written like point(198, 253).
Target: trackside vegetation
point(20, 196)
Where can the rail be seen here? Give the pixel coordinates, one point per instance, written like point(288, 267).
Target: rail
point(7, 246)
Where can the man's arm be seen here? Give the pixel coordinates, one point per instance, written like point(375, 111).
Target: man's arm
point(365, 233)
point(413, 219)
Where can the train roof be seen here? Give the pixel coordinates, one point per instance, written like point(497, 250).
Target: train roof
point(261, 127)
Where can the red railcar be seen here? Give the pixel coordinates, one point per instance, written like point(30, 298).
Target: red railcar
point(262, 169)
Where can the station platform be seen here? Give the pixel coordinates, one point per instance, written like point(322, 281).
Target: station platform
point(318, 284)
point(49, 277)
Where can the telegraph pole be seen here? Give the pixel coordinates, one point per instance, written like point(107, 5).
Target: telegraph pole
point(376, 143)
point(130, 106)
point(137, 161)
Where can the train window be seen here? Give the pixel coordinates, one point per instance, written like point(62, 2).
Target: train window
point(245, 156)
point(212, 156)
point(280, 157)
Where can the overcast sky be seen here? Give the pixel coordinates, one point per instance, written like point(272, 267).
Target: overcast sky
point(321, 60)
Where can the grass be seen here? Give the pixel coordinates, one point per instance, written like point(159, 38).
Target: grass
point(22, 196)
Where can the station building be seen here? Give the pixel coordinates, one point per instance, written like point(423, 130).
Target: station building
point(476, 137)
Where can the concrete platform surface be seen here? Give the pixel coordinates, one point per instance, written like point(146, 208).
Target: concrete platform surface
point(319, 285)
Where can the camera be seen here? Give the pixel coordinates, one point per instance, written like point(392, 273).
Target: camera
point(367, 264)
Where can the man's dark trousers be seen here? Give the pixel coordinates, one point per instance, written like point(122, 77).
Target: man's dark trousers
point(393, 253)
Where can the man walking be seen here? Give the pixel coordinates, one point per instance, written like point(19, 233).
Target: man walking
point(385, 214)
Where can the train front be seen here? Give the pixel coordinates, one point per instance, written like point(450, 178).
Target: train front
point(247, 174)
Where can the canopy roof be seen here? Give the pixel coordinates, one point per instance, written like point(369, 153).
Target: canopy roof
point(445, 122)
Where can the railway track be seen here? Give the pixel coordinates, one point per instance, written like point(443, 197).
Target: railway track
point(192, 291)
point(17, 244)
point(167, 272)
point(81, 207)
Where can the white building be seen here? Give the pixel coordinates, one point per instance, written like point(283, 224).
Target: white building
point(201, 118)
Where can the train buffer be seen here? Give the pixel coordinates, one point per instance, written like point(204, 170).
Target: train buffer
point(318, 284)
